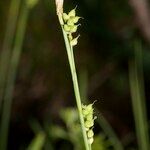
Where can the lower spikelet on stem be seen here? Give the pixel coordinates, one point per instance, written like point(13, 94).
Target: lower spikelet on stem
point(88, 114)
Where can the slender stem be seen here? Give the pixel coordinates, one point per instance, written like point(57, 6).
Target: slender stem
point(90, 147)
point(77, 92)
point(8, 39)
point(75, 82)
point(136, 80)
point(8, 95)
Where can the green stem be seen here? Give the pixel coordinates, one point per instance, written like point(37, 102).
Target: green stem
point(8, 39)
point(8, 95)
point(75, 82)
point(90, 147)
point(136, 80)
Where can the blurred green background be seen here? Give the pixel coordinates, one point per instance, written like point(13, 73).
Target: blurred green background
point(112, 58)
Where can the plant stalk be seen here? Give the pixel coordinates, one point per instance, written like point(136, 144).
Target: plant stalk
point(6, 48)
point(70, 54)
point(136, 80)
point(8, 95)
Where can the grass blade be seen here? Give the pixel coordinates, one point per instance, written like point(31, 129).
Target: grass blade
point(136, 80)
point(8, 39)
point(8, 95)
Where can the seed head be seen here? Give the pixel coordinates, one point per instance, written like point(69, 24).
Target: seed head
point(70, 37)
point(91, 140)
point(67, 28)
point(89, 124)
point(89, 117)
point(70, 22)
point(85, 112)
point(90, 133)
point(74, 41)
point(73, 29)
point(65, 17)
point(72, 13)
point(89, 107)
point(75, 19)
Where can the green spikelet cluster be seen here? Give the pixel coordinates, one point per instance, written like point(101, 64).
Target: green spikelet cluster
point(88, 114)
point(70, 25)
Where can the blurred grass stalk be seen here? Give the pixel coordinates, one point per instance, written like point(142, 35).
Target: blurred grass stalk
point(109, 132)
point(42, 138)
point(38, 142)
point(136, 80)
point(11, 75)
point(8, 40)
point(106, 127)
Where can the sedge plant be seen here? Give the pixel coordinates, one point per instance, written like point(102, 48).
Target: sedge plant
point(69, 26)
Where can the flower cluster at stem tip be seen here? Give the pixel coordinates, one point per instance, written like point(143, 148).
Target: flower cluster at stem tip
point(70, 25)
point(88, 115)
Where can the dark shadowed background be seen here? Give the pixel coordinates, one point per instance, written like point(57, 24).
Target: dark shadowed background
point(43, 84)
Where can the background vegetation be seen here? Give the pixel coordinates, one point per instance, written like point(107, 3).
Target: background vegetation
point(113, 60)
